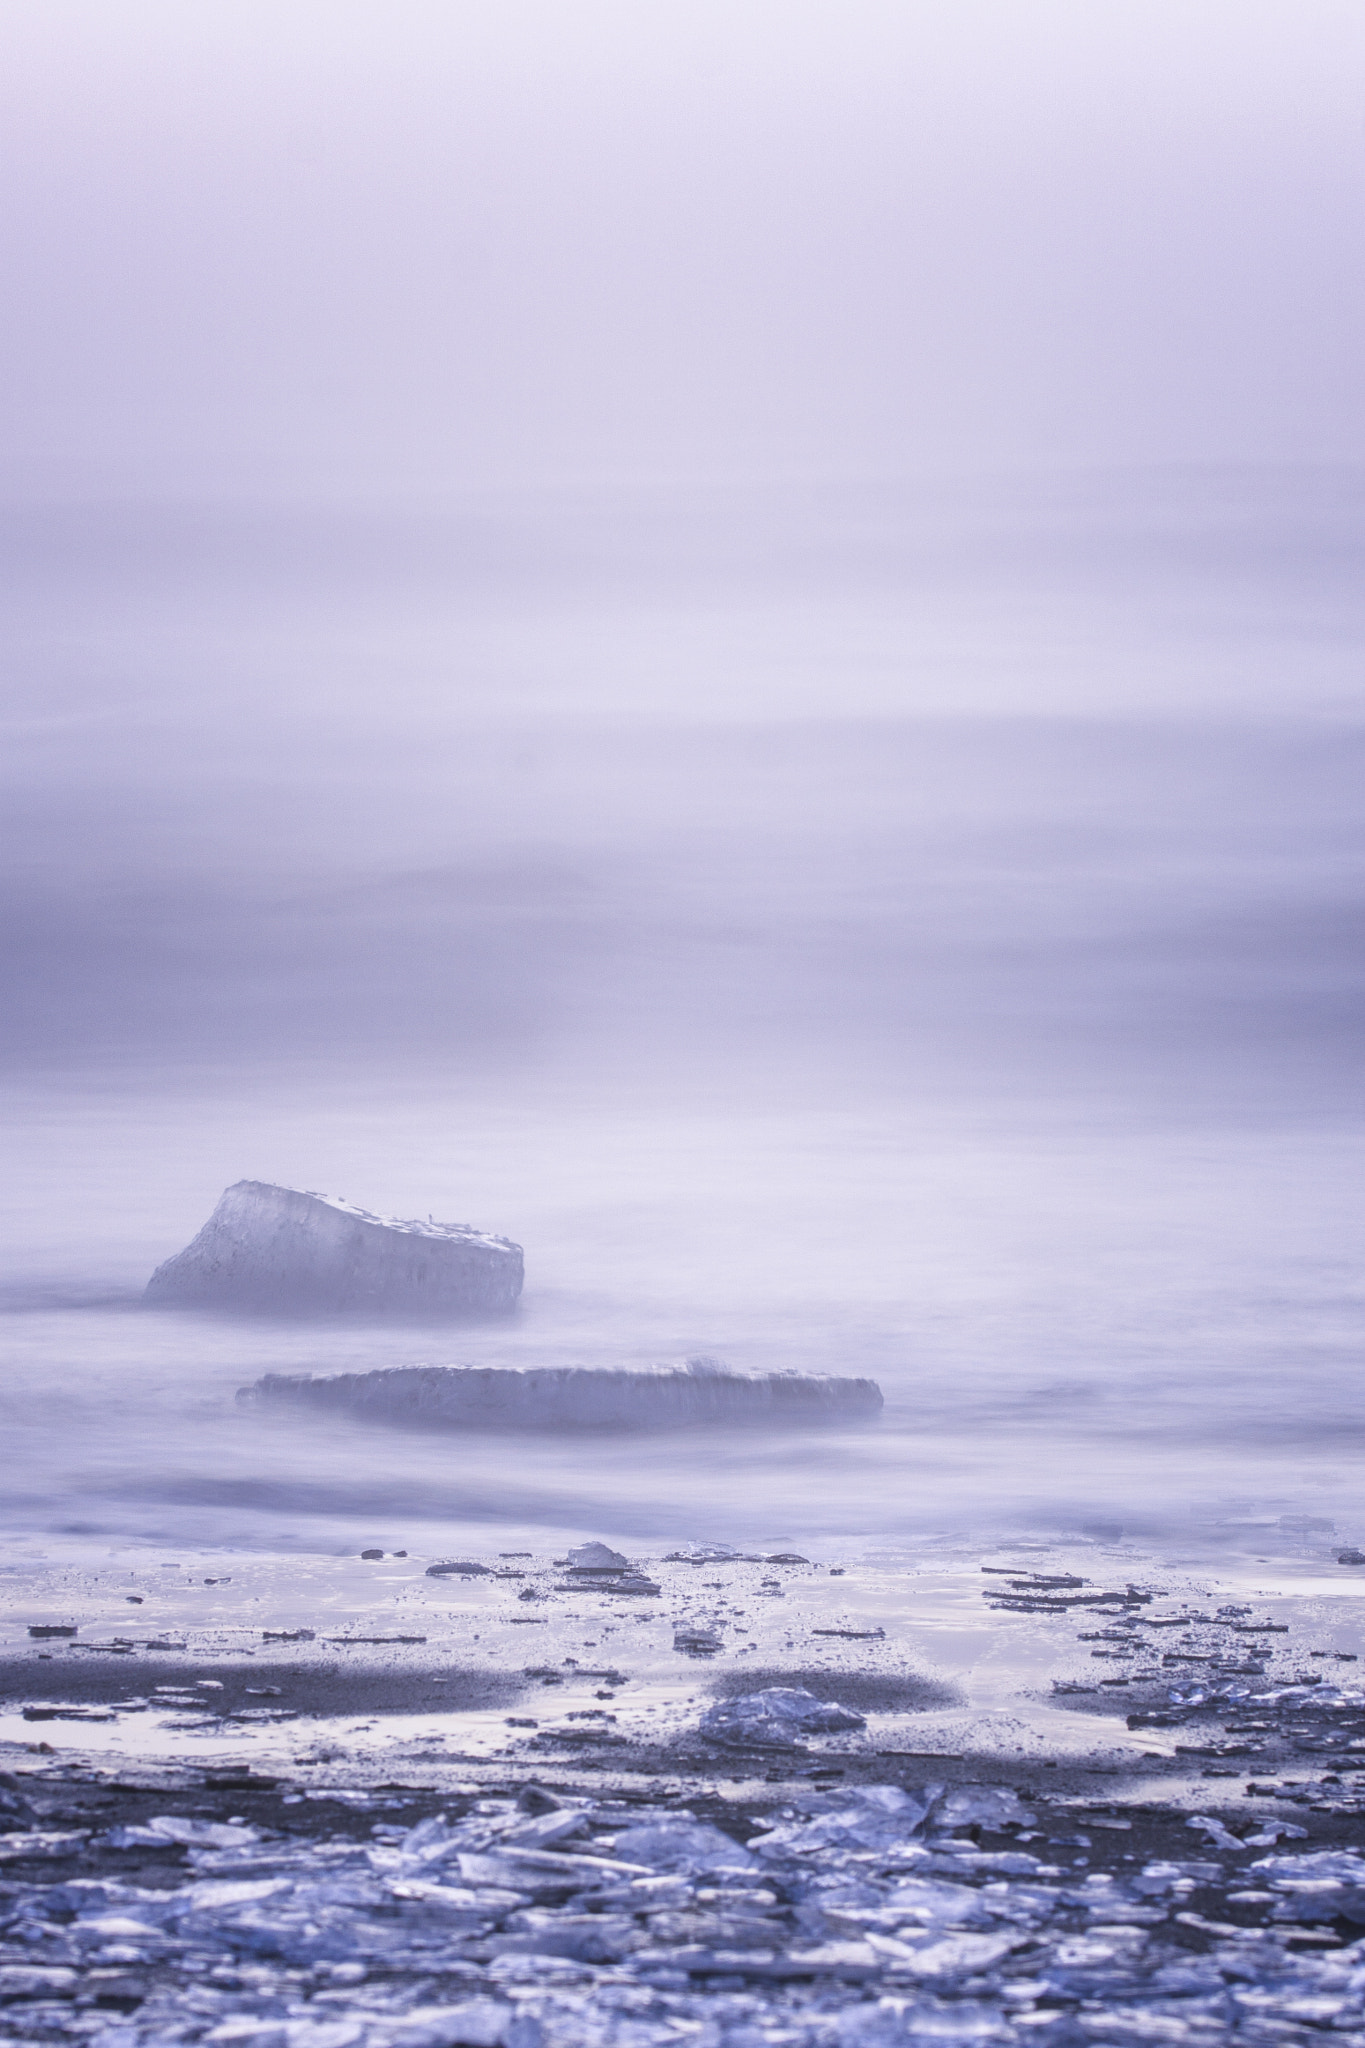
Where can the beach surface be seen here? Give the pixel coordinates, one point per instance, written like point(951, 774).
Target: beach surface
point(254, 1798)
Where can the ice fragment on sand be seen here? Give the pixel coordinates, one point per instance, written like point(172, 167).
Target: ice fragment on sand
point(778, 1714)
point(596, 1557)
point(593, 1566)
point(708, 1553)
point(174, 1827)
point(545, 1829)
point(20, 1980)
point(960, 1952)
point(682, 1845)
point(1215, 1834)
point(282, 1249)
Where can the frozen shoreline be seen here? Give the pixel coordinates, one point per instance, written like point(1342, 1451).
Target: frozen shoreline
point(339, 1802)
point(516, 1912)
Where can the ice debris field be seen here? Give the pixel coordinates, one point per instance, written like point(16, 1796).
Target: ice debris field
point(844, 1841)
point(509, 1917)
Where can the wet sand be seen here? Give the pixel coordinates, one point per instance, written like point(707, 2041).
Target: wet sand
point(297, 1799)
point(1035, 1657)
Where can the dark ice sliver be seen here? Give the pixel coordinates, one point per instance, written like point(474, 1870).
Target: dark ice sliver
point(697, 1642)
point(579, 1397)
point(595, 1557)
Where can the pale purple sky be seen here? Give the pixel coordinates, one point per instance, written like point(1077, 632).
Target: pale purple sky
point(339, 248)
point(515, 480)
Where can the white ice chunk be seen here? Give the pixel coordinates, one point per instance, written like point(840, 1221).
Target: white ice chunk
point(290, 1251)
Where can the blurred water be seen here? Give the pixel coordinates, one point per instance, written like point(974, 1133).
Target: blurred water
point(916, 937)
point(1085, 1321)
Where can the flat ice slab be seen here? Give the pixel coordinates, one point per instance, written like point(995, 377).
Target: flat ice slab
point(576, 1397)
point(288, 1251)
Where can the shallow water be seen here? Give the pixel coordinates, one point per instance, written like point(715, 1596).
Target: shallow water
point(1154, 1329)
point(917, 940)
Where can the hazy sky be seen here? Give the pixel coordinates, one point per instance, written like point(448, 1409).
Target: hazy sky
point(389, 746)
point(340, 247)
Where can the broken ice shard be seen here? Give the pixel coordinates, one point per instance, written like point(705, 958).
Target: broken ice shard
point(778, 1714)
point(573, 1397)
point(283, 1250)
point(596, 1557)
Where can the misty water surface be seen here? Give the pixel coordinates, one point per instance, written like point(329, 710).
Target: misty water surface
point(904, 933)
